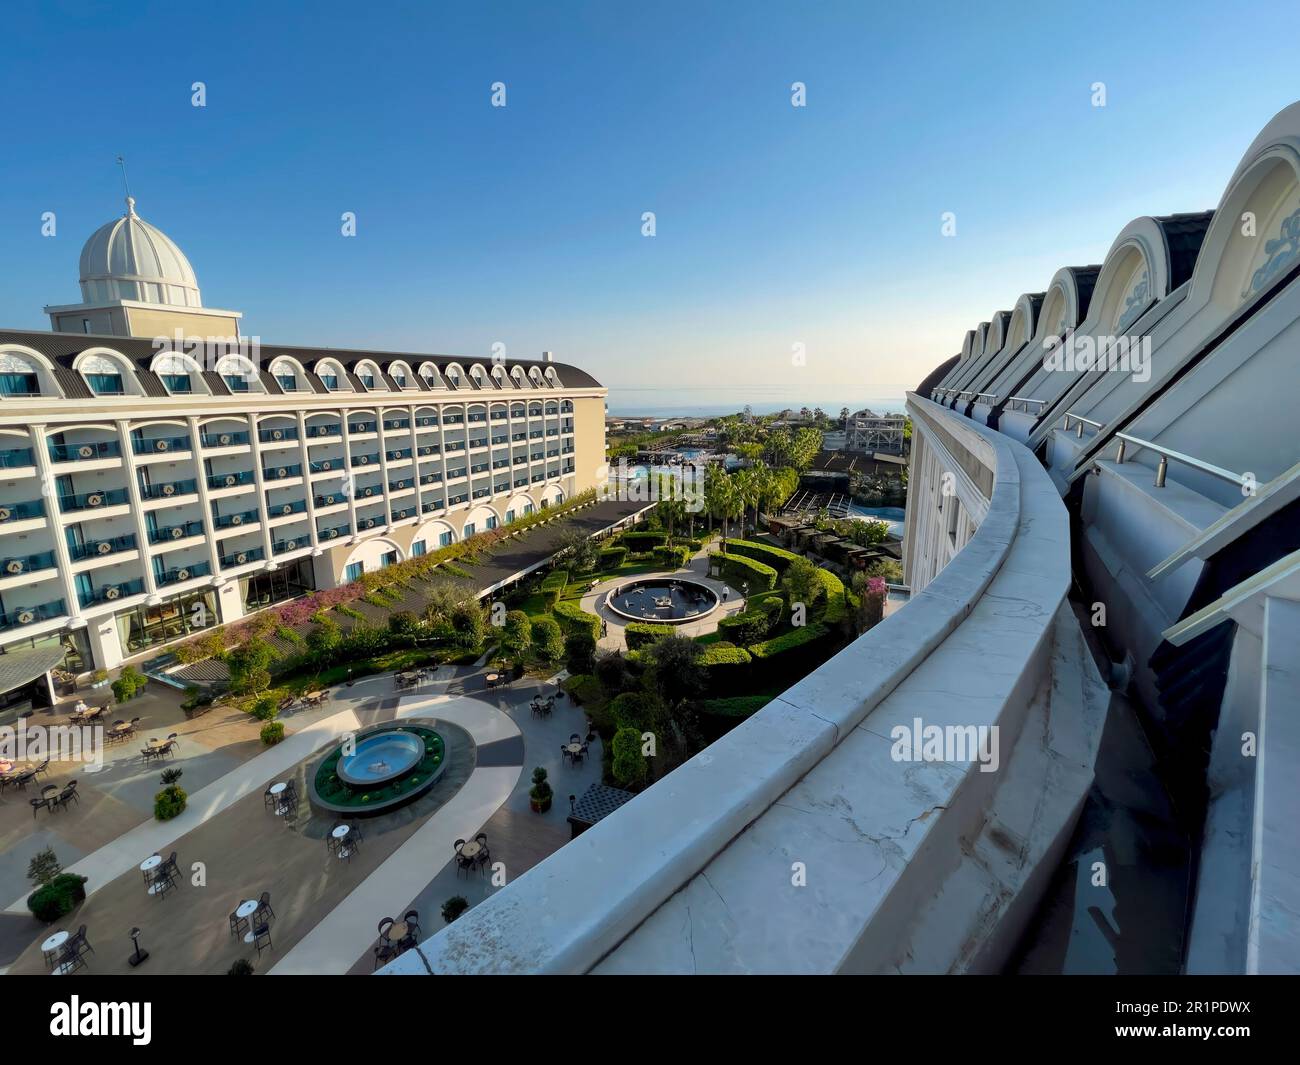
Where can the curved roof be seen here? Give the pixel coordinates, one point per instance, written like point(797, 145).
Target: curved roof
point(128, 258)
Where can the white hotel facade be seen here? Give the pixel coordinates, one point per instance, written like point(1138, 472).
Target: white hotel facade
point(148, 492)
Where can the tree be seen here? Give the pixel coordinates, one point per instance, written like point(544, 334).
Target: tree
point(611, 671)
point(674, 669)
point(800, 583)
point(548, 641)
point(579, 652)
point(249, 666)
point(43, 867)
point(577, 549)
point(323, 641)
point(469, 624)
point(844, 417)
point(404, 626)
point(516, 635)
point(629, 764)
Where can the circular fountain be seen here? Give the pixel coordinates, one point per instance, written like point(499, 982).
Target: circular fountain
point(665, 600)
point(382, 768)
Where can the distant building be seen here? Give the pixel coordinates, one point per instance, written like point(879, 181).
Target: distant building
point(869, 431)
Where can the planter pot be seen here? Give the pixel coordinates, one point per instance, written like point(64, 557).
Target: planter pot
point(540, 806)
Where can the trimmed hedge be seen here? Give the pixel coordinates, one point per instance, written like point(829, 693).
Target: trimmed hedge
point(726, 666)
point(677, 557)
point(553, 585)
point(776, 557)
point(58, 898)
point(719, 716)
point(737, 569)
point(612, 557)
point(789, 641)
point(642, 541)
point(585, 690)
point(641, 634)
point(749, 626)
point(572, 618)
point(835, 610)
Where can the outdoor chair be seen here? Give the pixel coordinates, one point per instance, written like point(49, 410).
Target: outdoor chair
point(354, 832)
point(45, 802)
point(384, 926)
point(44, 767)
point(67, 795)
point(147, 753)
point(132, 726)
point(237, 924)
point(268, 799)
point(80, 943)
point(331, 841)
point(263, 907)
point(262, 938)
point(171, 865)
point(412, 919)
point(69, 961)
point(384, 952)
point(162, 882)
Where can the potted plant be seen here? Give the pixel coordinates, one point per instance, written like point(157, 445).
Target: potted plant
point(101, 678)
point(454, 907)
point(539, 796)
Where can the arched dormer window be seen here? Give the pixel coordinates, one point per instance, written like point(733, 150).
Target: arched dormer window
point(177, 373)
point(103, 376)
point(455, 376)
point(429, 371)
point(401, 375)
point(288, 375)
point(239, 374)
point(332, 376)
point(368, 373)
point(18, 376)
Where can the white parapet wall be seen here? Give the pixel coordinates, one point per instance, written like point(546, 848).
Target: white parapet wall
point(805, 840)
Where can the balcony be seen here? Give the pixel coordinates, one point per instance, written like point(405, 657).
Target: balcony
point(455, 445)
point(535, 434)
point(335, 532)
point(224, 439)
point(478, 467)
point(316, 432)
point(518, 436)
point(453, 474)
point(169, 489)
point(366, 460)
point(15, 458)
point(482, 493)
point(108, 593)
point(372, 491)
point(361, 428)
point(242, 558)
point(403, 514)
point(181, 574)
point(477, 417)
point(397, 423)
point(427, 422)
point(536, 456)
point(110, 497)
point(453, 419)
point(500, 464)
point(504, 486)
point(108, 449)
point(33, 508)
point(168, 533)
point(14, 565)
point(295, 543)
point(481, 442)
point(429, 449)
point(30, 615)
point(456, 500)
point(244, 517)
point(283, 510)
point(102, 548)
point(402, 485)
point(330, 499)
point(160, 445)
point(282, 473)
point(231, 480)
point(398, 454)
point(521, 482)
point(520, 460)
point(278, 435)
point(498, 415)
point(325, 465)
point(431, 478)
point(430, 505)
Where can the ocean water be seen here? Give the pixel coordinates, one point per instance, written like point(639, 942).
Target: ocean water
point(655, 403)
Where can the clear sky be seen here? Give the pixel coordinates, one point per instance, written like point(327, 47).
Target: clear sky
point(776, 225)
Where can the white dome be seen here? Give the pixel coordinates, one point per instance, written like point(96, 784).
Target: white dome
point(129, 259)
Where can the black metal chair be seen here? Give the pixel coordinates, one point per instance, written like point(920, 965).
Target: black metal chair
point(172, 867)
point(67, 795)
point(80, 943)
point(44, 767)
point(412, 919)
point(384, 926)
point(262, 938)
point(70, 960)
point(45, 802)
point(355, 835)
point(238, 925)
point(268, 799)
point(332, 841)
point(163, 882)
point(462, 862)
point(263, 907)
point(384, 952)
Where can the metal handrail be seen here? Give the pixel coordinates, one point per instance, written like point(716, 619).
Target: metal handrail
point(1027, 399)
point(1168, 453)
point(1082, 422)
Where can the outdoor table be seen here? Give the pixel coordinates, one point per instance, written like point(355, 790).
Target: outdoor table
point(341, 834)
point(154, 741)
point(246, 909)
point(277, 789)
point(148, 866)
point(315, 697)
point(573, 748)
point(396, 932)
point(53, 944)
point(492, 678)
point(471, 849)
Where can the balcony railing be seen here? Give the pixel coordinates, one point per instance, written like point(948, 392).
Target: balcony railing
point(334, 532)
point(29, 615)
point(230, 480)
point(282, 473)
point(16, 457)
point(430, 505)
point(282, 510)
point(109, 497)
point(325, 465)
point(291, 544)
point(160, 445)
point(317, 431)
point(453, 474)
point(243, 517)
point(13, 565)
point(278, 434)
point(108, 593)
point(84, 452)
point(224, 439)
point(32, 508)
point(397, 454)
point(397, 423)
point(431, 478)
point(181, 574)
point(181, 531)
point(361, 427)
point(100, 548)
point(366, 460)
point(242, 558)
point(168, 489)
point(479, 443)
point(427, 422)
point(330, 499)
point(371, 491)
point(429, 449)
point(454, 500)
point(399, 486)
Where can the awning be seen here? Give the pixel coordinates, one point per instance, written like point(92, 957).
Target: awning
point(24, 665)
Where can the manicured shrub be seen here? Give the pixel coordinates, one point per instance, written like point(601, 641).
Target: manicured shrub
point(454, 907)
point(672, 557)
point(58, 898)
point(272, 733)
point(634, 710)
point(579, 652)
point(629, 765)
point(403, 627)
point(719, 716)
point(585, 690)
point(740, 570)
point(611, 670)
point(169, 802)
point(640, 634)
point(548, 642)
point(612, 557)
point(749, 626)
point(517, 635)
point(265, 709)
point(553, 585)
point(776, 557)
point(573, 618)
point(642, 541)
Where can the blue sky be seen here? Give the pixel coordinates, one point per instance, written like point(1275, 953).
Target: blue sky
point(776, 225)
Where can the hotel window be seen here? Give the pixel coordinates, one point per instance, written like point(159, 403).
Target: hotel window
point(491, 523)
point(177, 383)
point(400, 378)
point(444, 539)
point(287, 381)
point(368, 379)
point(510, 516)
point(353, 572)
point(105, 384)
point(235, 382)
point(389, 558)
point(469, 529)
point(417, 549)
point(528, 508)
point(330, 381)
point(18, 384)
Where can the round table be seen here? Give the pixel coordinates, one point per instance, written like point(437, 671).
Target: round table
point(277, 789)
point(148, 866)
point(492, 678)
point(315, 695)
point(573, 748)
point(471, 849)
point(246, 909)
point(341, 833)
point(396, 932)
point(54, 942)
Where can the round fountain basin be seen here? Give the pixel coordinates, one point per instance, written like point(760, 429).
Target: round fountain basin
point(668, 600)
point(380, 757)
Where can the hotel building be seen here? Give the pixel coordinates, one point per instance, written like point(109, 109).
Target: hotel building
point(150, 488)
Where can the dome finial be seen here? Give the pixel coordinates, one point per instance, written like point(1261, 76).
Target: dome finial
point(130, 206)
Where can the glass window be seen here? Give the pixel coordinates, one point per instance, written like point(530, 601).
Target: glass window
point(510, 516)
point(235, 382)
point(353, 572)
point(389, 558)
point(368, 379)
point(444, 539)
point(469, 529)
point(287, 381)
point(18, 384)
point(105, 384)
point(491, 522)
point(177, 383)
point(330, 381)
point(417, 549)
